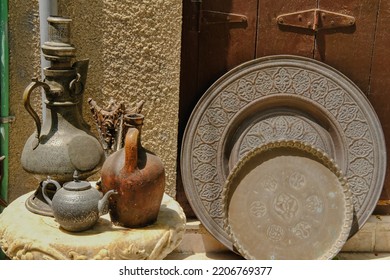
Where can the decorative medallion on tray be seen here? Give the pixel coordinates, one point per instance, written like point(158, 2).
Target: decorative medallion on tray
point(240, 100)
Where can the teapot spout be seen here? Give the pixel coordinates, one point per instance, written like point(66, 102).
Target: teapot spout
point(103, 202)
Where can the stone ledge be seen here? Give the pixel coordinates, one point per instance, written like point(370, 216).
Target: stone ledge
point(373, 237)
point(232, 256)
point(370, 242)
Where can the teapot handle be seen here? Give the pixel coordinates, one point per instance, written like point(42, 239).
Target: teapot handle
point(44, 185)
point(27, 104)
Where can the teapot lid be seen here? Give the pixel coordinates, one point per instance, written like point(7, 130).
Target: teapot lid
point(76, 184)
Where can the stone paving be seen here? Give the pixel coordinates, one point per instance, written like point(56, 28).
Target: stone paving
point(371, 242)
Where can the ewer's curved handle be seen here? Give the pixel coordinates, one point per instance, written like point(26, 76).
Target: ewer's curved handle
point(27, 104)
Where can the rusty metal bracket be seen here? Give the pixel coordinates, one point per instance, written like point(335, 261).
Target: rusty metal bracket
point(315, 19)
point(199, 17)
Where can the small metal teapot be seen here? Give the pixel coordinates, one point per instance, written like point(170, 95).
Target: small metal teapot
point(76, 206)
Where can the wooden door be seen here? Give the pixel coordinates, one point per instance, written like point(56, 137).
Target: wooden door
point(273, 39)
point(360, 50)
point(217, 36)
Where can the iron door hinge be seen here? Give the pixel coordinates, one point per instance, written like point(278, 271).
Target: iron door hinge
point(316, 19)
point(201, 17)
point(214, 17)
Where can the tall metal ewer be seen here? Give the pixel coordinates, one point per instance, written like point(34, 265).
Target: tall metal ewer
point(62, 142)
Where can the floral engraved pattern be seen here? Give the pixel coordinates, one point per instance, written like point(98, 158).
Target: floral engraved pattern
point(282, 80)
point(334, 99)
point(204, 153)
point(314, 204)
point(314, 138)
point(302, 230)
point(356, 129)
point(301, 82)
point(216, 209)
point(263, 83)
point(297, 181)
point(257, 209)
point(264, 129)
point(362, 167)
point(298, 129)
point(252, 141)
point(230, 102)
point(347, 113)
point(275, 232)
point(286, 206)
point(209, 134)
point(360, 186)
point(217, 117)
point(210, 192)
point(361, 148)
point(319, 89)
point(205, 172)
point(246, 90)
point(281, 127)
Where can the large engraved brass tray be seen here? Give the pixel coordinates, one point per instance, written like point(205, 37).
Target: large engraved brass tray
point(287, 200)
point(273, 98)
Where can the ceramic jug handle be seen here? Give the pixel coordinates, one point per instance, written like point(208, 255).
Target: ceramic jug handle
point(27, 104)
point(44, 185)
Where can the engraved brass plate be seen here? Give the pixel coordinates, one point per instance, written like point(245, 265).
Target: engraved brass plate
point(287, 200)
point(264, 91)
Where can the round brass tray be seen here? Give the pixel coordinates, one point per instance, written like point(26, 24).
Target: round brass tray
point(326, 103)
point(287, 200)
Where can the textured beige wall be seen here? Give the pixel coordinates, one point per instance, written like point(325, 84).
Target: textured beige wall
point(24, 64)
point(134, 52)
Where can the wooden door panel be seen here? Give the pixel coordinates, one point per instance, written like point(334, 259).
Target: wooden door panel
point(188, 87)
point(225, 45)
point(349, 49)
point(209, 50)
point(274, 39)
point(379, 93)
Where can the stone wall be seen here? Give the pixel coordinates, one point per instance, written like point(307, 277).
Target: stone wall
point(134, 52)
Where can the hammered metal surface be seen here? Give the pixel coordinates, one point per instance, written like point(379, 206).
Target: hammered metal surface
point(284, 201)
point(318, 92)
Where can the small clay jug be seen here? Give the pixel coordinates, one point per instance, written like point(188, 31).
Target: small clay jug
point(137, 175)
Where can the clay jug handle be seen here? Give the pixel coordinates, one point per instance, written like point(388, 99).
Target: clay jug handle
point(131, 149)
point(27, 104)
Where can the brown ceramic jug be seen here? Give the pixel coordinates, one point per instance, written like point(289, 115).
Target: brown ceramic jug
point(138, 176)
